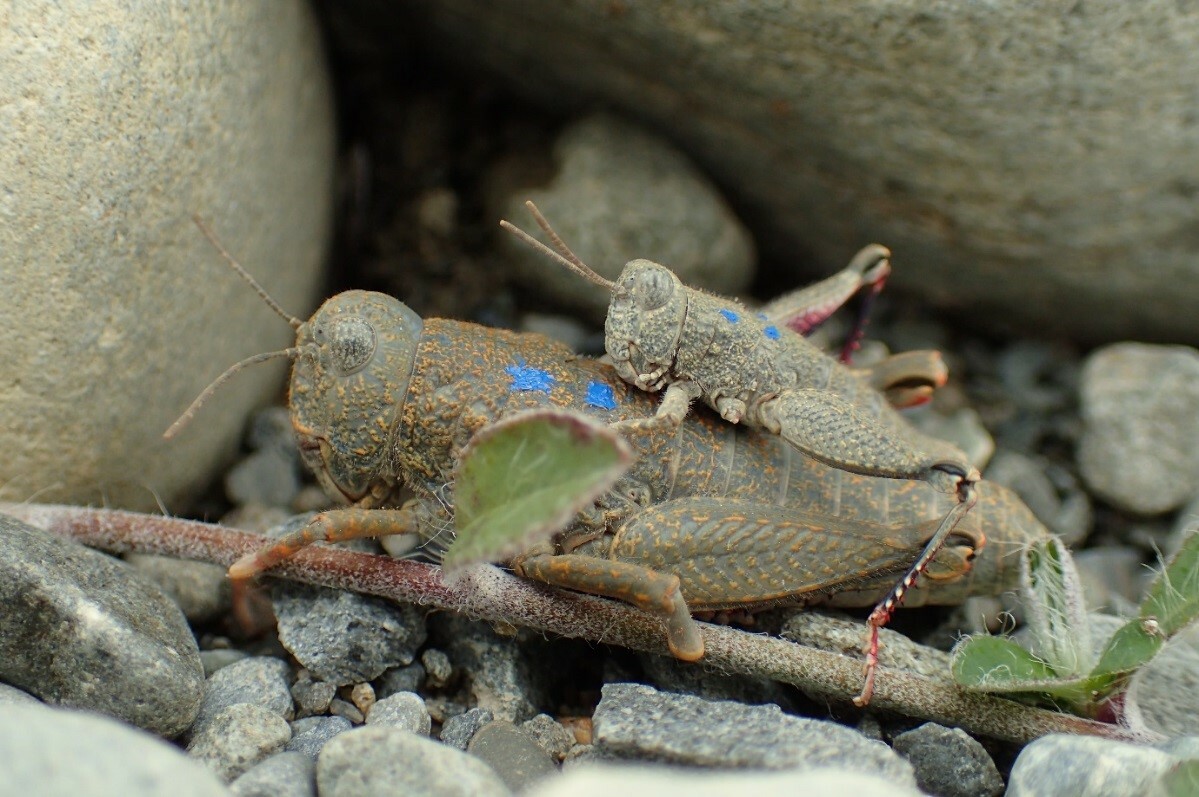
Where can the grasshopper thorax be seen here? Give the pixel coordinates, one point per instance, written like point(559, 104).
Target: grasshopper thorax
point(645, 321)
point(348, 384)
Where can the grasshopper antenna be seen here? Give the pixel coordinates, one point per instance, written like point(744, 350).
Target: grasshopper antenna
point(186, 417)
point(266, 297)
point(564, 256)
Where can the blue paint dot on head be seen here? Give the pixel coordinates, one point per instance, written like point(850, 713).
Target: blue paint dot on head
point(730, 316)
point(526, 378)
point(771, 332)
point(601, 395)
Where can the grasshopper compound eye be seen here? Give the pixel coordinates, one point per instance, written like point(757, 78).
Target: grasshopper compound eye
point(351, 342)
point(652, 288)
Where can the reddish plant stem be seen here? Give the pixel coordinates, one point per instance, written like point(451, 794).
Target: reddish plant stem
point(488, 593)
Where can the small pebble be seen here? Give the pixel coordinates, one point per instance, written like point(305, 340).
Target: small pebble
point(552, 735)
point(438, 669)
point(513, 754)
point(343, 637)
point(497, 669)
point(344, 708)
point(1163, 695)
point(1061, 765)
point(310, 734)
point(458, 731)
point(1113, 579)
point(949, 762)
point(257, 680)
point(633, 721)
point(200, 589)
point(11, 694)
point(363, 697)
point(1140, 443)
point(312, 697)
point(238, 737)
point(378, 760)
point(400, 679)
point(284, 774)
point(85, 630)
point(52, 752)
point(220, 658)
point(402, 710)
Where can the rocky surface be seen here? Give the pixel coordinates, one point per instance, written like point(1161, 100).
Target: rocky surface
point(119, 125)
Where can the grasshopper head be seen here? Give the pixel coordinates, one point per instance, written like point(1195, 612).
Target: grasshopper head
point(645, 320)
point(349, 381)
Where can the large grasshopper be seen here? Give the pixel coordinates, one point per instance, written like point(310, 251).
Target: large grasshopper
point(711, 516)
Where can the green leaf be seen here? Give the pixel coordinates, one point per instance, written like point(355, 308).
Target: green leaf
point(1054, 609)
point(1182, 779)
point(1133, 644)
point(995, 664)
point(1173, 597)
point(522, 479)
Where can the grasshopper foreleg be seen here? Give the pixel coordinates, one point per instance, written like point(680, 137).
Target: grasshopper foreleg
point(676, 402)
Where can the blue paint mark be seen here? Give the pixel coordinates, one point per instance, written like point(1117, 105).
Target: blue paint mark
point(525, 378)
point(771, 332)
point(600, 395)
point(761, 317)
point(730, 316)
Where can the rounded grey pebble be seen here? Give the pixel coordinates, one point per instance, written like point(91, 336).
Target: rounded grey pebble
point(949, 762)
point(608, 779)
point(346, 709)
point(622, 193)
point(105, 757)
point(11, 694)
point(1061, 765)
point(312, 697)
point(342, 637)
point(438, 668)
point(376, 760)
point(282, 775)
point(497, 667)
point(237, 738)
point(84, 630)
point(552, 735)
point(400, 679)
point(513, 754)
point(257, 680)
point(458, 731)
point(404, 710)
point(310, 735)
point(201, 590)
point(219, 659)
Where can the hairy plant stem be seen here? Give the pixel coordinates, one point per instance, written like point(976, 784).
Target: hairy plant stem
point(488, 593)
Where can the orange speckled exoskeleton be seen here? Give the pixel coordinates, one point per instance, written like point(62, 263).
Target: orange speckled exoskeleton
point(663, 336)
point(711, 516)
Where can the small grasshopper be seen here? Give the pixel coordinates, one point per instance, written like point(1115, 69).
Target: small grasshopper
point(711, 516)
point(662, 335)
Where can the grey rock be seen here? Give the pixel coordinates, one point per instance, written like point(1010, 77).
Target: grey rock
point(515, 755)
point(1140, 443)
point(838, 634)
point(458, 731)
point(346, 709)
point(1051, 492)
point(55, 753)
point(237, 738)
point(400, 679)
point(621, 193)
point(381, 760)
point(1060, 765)
point(496, 667)
point(310, 735)
point(637, 722)
point(312, 697)
point(1113, 578)
point(200, 589)
point(1186, 524)
point(219, 658)
point(1163, 695)
point(11, 694)
point(113, 291)
point(438, 668)
point(404, 710)
point(552, 735)
point(342, 637)
point(258, 680)
point(268, 477)
point(84, 630)
point(671, 675)
point(282, 775)
point(836, 124)
point(605, 780)
point(949, 762)
point(1184, 748)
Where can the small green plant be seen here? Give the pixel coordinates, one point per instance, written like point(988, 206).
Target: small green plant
point(1059, 665)
point(522, 479)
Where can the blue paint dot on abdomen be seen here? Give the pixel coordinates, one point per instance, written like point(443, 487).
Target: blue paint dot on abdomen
point(771, 332)
point(600, 395)
point(526, 378)
point(730, 316)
